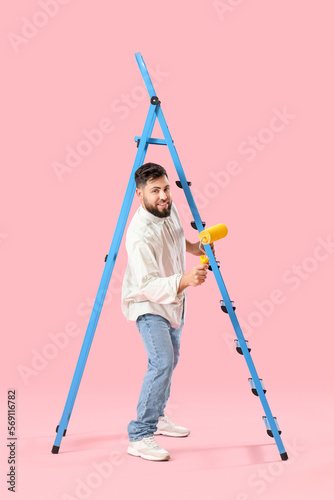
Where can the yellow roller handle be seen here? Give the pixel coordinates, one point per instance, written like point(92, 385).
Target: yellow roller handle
point(213, 233)
point(204, 259)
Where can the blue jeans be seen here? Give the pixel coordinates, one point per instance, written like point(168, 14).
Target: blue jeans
point(162, 345)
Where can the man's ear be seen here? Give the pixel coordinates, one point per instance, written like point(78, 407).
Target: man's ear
point(139, 193)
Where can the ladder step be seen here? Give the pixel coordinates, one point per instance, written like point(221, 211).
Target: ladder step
point(64, 433)
point(193, 224)
point(223, 306)
point(254, 390)
point(238, 347)
point(179, 185)
point(269, 431)
point(218, 265)
point(106, 258)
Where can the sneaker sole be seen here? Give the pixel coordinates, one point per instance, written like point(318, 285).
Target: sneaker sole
point(136, 453)
point(171, 434)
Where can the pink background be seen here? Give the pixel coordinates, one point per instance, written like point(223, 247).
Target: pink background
point(223, 71)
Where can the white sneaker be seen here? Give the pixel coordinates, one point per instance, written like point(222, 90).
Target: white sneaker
point(168, 428)
point(147, 448)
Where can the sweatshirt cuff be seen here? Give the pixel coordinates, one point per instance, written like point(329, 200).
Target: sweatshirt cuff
point(178, 296)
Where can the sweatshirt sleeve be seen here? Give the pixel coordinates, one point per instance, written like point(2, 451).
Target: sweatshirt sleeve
point(147, 284)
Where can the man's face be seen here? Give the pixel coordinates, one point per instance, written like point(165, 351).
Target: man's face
point(155, 197)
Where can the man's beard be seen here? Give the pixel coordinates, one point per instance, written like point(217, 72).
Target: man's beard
point(159, 213)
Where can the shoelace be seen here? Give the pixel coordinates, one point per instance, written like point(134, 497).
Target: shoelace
point(150, 441)
point(167, 421)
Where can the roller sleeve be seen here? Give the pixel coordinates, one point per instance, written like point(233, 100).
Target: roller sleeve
point(213, 233)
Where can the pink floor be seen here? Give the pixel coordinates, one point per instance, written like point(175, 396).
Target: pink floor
point(228, 454)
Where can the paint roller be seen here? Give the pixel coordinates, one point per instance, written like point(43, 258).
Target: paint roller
point(210, 235)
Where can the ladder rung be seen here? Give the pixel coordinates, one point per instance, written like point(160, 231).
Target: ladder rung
point(151, 141)
point(254, 390)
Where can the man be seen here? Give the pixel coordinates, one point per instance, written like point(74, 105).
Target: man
point(154, 296)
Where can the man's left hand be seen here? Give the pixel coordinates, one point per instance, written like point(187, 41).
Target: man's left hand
point(200, 250)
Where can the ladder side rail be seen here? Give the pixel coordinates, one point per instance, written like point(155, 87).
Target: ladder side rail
point(179, 169)
point(219, 279)
point(106, 276)
point(244, 347)
point(145, 74)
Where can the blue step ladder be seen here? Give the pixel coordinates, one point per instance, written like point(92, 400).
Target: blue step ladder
point(143, 141)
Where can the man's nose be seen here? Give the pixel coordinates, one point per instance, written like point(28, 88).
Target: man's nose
point(163, 195)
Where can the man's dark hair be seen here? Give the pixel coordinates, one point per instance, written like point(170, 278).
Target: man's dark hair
point(148, 172)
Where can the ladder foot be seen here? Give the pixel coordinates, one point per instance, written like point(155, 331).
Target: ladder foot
point(55, 450)
point(64, 433)
point(179, 185)
point(193, 224)
point(284, 456)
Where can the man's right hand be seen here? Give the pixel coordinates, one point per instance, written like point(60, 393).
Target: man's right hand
point(195, 277)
